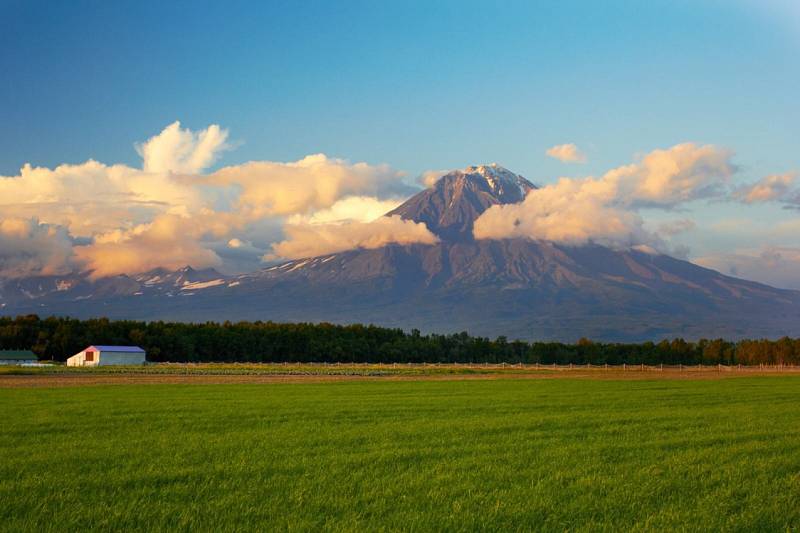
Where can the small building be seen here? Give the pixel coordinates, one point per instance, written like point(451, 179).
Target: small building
point(108, 355)
point(18, 357)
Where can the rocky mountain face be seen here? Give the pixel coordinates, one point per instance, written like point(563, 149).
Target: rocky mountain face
point(450, 207)
point(517, 288)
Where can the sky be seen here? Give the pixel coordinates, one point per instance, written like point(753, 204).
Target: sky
point(238, 101)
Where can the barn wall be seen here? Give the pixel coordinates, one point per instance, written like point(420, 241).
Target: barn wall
point(121, 358)
point(77, 359)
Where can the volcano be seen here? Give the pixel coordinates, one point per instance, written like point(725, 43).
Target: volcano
point(517, 288)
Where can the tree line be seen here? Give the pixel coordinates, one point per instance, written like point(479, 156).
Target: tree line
point(58, 338)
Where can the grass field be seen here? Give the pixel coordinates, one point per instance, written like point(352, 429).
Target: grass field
point(404, 455)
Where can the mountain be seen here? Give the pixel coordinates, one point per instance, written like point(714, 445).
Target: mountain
point(516, 287)
point(454, 202)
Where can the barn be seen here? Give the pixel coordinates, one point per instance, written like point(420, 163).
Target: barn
point(108, 355)
point(18, 357)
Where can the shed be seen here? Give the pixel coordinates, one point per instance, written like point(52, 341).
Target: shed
point(17, 357)
point(108, 355)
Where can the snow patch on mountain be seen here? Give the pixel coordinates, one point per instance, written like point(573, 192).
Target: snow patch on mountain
point(202, 284)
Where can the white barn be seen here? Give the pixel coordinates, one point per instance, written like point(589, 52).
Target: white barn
point(108, 355)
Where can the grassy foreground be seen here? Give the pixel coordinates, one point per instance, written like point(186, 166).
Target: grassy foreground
point(437, 455)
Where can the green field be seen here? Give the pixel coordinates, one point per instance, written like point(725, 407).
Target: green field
point(397, 455)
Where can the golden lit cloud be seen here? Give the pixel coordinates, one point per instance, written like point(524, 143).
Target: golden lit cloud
point(604, 210)
point(313, 183)
point(309, 240)
point(567, 153)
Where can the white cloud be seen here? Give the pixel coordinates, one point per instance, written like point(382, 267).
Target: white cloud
point(352, 208)
point(773, 265)
point(309, 240)
point(604, 210)
point(183, 151)
point(567, 153)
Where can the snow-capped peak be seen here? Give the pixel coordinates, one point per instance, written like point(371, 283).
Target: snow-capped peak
point(499, 177)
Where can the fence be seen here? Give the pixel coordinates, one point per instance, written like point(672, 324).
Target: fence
point(624, 367)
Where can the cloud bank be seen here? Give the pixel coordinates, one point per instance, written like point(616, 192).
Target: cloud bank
point(171, 212)
point(174, 209)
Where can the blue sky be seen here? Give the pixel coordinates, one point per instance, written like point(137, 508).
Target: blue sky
point(415, 85)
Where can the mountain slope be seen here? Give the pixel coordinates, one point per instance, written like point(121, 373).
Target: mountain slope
point(518, 288)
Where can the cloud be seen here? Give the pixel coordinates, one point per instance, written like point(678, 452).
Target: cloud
point(777, 187)
point(429, 178)
point(115, 219)
point(773, 265)
point(569, 212)
point(92, 197)
point(352, 208)
point(183, 151)
point(28, 247)
point(310, 240)
point(665, 178)
point(676, 227)
point(605, 210)
point(170, 213)
point(169, 241)
point(313, 183)
point(567, 153)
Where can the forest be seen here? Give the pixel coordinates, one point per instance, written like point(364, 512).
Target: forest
point(58, 338)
